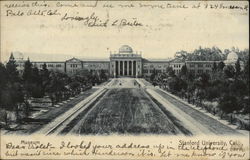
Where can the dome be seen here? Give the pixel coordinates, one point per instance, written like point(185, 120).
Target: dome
point(125, 49)
point(232, 56)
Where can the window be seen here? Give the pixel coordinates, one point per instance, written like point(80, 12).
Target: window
point(192, 65)
point(73, 65)
point(200, 71)
point(50, 65)
point(200, 65)
point(58, 65)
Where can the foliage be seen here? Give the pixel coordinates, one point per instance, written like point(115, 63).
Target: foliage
point(237, 68)
point(228, 103)
point(227, 85)
point(221, 65)
point(170, 71)
point(153, 75)
point(202, 54)
point(16, 88)
point(183, 71)
point(229, 71)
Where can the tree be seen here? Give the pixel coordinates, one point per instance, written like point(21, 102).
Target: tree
point(228, 103)
point(176, 84)
point(27, 78)
point(246, 73)
point(13, 75)
point(181, 55)
point(153, 75)
point(75, 87)
point(27, 73)
point(103, 75)
point(214, 68)
point(13, 92)
point(221, 65)
point(238, 88)
point(36, 82)
point(44, 77)
point(183, 71)
point(170, 71)
point(190, 91)
point(56, 86)
point(203, 81)
point(206, 54)
point(3, 84)
point(237, 68)
point(229, 71)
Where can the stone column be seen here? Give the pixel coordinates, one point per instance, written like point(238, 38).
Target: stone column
point(118, 68)
point(115, 69)
point(123, 70)
point(132, 68)
point(128, 68)
point(136, 69)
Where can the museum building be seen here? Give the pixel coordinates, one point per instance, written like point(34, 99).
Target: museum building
point(126, 63)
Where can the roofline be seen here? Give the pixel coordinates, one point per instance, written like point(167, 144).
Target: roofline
point(96, 61)
point(203, 61)
point(47, 61)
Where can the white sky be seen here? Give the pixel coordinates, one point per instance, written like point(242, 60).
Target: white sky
point(165, 31)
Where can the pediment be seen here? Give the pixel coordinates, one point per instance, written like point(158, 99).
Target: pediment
point(74, 60)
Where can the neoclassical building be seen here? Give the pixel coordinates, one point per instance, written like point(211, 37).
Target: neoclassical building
point(127, 63)
point(124, 63)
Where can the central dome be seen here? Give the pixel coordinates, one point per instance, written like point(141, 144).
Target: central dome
point(125, 49)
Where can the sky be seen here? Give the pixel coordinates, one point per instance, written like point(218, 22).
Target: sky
point(162, 34)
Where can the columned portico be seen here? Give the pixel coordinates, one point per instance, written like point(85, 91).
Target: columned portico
point(126, 63)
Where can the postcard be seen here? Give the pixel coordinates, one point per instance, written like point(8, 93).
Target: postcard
point(124, 80)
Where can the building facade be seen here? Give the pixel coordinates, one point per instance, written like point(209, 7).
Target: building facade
point(157, 66)
point(127, 63)
point(199, 67)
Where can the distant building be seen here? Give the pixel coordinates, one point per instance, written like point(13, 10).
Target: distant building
point(151, 66)
point(124, 63)
point(53, 65)
point(127, 63)
point(177, 64)
point(199, 67)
